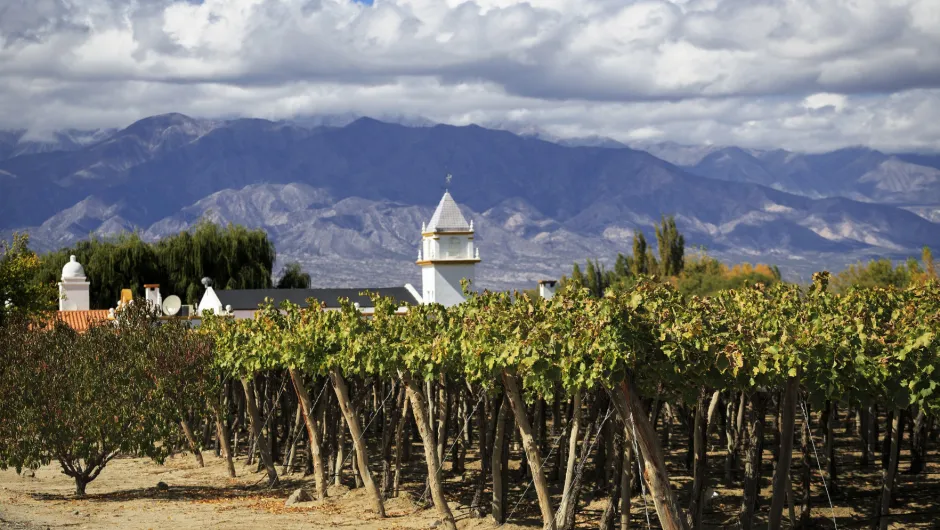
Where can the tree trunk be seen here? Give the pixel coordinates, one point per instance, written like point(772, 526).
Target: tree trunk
point(806, 475)
point(700, 453)
point(193, 444)
point(713, 407)
point(918, 443)
point(654, 471)
point(292, 438)
point(80, 484)
point(339, 458)
point(886, 441)
point(752, 465)
point(566, 518)
point(625, 480)
point(782, 471)
point(389, 433)
point(418, 404)
point(313, 433)
point(254, 421)
point(485, 440)
point(399, 441)
point(831, 464)
point(863, 420)
point(500, 461)
point(222, 433)
point(613, 495)
point(443, 418)
point(575, 425)
point(362, 455)
point(531, 449)
point(734, 440)
point(884, 505)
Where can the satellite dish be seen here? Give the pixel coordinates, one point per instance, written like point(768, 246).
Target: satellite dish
point(172, 305)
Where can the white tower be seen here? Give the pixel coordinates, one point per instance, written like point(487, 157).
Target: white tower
point(74, 289)
point(447, 254)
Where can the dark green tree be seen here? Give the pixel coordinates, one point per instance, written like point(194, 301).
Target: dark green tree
point(671, 247)
point(233, 256)
point(622, 267)
point(639, 264)
point(577, 278)
point(294, 277)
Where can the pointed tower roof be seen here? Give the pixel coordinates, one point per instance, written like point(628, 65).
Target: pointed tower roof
point(447, 217)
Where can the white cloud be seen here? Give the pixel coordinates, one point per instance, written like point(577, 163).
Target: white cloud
point(801, 74)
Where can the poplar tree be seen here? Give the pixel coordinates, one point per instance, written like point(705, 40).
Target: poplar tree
point(671, 246)
point(577, 278)
point(639, 264)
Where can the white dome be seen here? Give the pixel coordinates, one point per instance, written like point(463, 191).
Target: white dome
point(73, 270)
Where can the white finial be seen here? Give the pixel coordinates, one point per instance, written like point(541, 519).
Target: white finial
point(471, 225)
point(424, 227)
point(419, 254)
point(477, 254)
point(447, 181)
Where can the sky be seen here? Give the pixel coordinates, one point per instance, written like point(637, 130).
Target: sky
point(806, 75)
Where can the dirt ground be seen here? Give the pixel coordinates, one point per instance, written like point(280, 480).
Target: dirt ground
point(125, 495)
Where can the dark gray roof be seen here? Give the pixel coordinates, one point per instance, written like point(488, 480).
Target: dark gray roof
point(250, 298)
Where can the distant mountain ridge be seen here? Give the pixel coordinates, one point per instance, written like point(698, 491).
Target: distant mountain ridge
point(348, 201)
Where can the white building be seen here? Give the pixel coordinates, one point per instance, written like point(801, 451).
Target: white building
point(446, 257)
point(447, 254)
point(74, 289)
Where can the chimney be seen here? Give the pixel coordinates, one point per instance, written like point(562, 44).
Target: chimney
point(74, 289)
point(547, 288)
point(152, 295)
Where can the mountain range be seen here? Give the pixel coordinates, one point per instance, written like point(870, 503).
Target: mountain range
point(346, 196)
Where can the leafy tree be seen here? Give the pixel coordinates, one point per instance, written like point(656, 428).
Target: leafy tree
point(704, 275)
point(79, 400)
point(294, 277)
point(623, 266)
point(876, 273)
point(18, 292)
point(577, 278)
point(671, 246)
point(233, 256)
point(639, 264)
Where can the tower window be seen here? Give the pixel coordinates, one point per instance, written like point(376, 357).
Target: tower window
point(453, 248)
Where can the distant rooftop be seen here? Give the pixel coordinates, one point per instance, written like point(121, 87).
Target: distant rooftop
point(447, 217)
point(82, 320)
point(242, 299)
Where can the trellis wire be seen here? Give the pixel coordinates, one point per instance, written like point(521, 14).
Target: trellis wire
point(449, 449)
point(832, 509)
point(545, 461)
point(365, 429)
point(636, 453)
point(584, 458)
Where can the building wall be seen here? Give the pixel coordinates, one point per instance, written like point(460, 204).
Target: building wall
point(443, 246)
point(441, 282)
point(74, 296)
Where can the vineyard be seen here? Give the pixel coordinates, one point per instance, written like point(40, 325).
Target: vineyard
point(533, 406)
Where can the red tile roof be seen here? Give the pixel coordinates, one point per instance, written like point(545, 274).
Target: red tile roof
point(82, 320)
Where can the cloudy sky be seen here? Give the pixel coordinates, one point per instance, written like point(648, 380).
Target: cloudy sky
point(798, 74)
